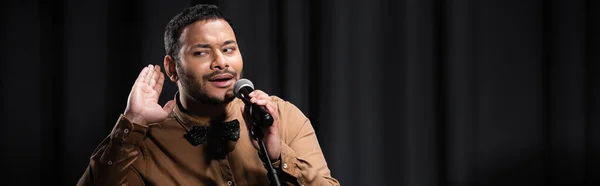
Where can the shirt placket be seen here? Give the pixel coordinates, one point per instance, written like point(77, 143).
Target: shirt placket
point(226, 170)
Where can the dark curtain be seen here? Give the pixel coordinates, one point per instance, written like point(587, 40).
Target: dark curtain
point(401, 92)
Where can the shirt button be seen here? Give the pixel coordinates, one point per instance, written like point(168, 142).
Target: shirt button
point(285, 165)
point(219, 150)
point(109, 162)
point(229, 182)
point(126, 131)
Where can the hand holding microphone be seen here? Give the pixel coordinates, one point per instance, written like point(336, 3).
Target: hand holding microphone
point(244, 90)
point(264, 113)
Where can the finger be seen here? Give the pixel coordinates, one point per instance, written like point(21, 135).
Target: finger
point(154, 77)
point(256, 99)
point(159, 84)
point(258, 95)
point(262, 96)
point(275, 114)
point(142, 77)
point(169, 106)
point(265, 97)
point(256, 92)
point(272, 110)
point(261, 102)
point(150, 73)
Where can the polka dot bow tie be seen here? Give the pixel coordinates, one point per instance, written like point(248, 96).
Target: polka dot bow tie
point(225, 131)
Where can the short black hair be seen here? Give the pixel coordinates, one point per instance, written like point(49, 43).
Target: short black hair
point(189, 16)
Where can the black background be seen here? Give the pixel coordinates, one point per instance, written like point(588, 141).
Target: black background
point(400, 92)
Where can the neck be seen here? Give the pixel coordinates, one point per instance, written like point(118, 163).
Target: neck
point(203, 112)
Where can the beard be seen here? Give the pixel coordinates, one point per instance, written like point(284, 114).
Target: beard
point(196, 87)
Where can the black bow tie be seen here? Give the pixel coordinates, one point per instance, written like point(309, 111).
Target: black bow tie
point(225, 131)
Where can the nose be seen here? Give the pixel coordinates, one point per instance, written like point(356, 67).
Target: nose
point(220, 61)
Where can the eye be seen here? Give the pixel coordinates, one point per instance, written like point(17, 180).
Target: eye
point(199, 53)
point(228, 50)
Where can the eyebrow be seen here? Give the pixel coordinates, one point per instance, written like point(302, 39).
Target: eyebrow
point(202, 45)
point(228, 42)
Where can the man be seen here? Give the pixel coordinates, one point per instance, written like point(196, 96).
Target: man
point(194, 139)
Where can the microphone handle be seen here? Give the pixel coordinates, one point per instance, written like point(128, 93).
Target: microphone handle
point(259, 114)
point(261, 117)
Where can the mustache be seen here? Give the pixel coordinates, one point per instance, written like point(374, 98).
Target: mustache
point(217, 72)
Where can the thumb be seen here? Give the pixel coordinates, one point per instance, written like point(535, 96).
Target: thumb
point(169, 106)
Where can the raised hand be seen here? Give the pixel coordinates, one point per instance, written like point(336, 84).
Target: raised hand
point(142, 104)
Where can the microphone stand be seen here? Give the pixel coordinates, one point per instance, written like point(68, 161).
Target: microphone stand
point(271, 172)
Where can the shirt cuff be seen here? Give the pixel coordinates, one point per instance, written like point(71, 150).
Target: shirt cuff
point(127, 131)
point(288, 163)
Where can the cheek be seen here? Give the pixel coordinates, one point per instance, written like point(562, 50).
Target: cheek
point(198, 69)
point(239, 68)
point(237, 64)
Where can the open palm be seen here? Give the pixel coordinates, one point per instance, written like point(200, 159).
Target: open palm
point(142, 104)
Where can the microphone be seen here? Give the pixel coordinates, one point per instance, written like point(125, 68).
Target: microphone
point(259, 114)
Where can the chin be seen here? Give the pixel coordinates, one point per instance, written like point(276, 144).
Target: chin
point(228, 96)
point(220, 98)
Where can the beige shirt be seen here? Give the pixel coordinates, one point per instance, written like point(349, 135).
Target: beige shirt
point(158, 154)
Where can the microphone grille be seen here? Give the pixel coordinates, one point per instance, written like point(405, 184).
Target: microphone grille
point(242, 83)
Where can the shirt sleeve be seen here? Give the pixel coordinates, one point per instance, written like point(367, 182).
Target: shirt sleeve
point(112, 161)
point(302, 161)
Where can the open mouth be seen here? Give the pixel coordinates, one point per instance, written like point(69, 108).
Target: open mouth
point(221, 80)
point(221, 77)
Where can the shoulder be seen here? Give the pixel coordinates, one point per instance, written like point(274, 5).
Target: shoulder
point(291, 119)
point(287, 109)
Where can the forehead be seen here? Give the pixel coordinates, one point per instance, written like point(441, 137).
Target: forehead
point(207, 31)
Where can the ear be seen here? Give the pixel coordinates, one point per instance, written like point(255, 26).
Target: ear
point(170, 68)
